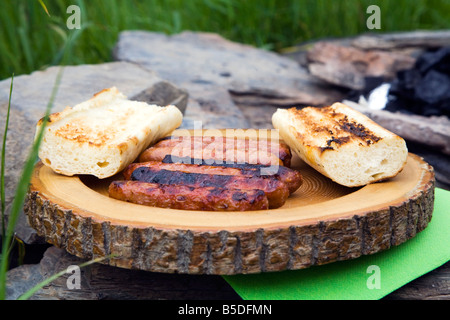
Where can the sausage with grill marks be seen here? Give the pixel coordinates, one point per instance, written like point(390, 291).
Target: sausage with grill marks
point(290, 177)
point(276, 191)
point(188, 198)
point(227, 155)
point(277, 148)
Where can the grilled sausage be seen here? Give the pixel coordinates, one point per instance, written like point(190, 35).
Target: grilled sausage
point(225, 155)
point(188, 198)
point(188, 168)
point(277, 192)
point(292, 178)
point(218, 143)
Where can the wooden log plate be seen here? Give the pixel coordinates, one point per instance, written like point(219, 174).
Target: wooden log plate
point(322, 222)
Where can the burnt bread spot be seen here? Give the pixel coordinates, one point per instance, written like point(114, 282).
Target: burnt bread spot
point(358, 130)
point(323, 149)
point(338, 141)
point(344, 130)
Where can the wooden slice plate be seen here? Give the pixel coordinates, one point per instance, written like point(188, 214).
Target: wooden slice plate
point(322, 222)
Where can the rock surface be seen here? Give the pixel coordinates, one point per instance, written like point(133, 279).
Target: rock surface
point(348, 67)
point(32, 92)
point(239, 75)
point(398, 40)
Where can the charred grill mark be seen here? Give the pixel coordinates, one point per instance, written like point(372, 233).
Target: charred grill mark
point(291, 177)
point(239, 196)
point(244, 168)
point(338, 141)
point(322, 149)
point(183, 178)
point(215, 181)
point(206, 162)
point(216, 191)
point(275, 190)
point(358, 130)
point(260, 193)
point(344, 130)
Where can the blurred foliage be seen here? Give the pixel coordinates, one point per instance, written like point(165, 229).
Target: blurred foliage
point(31, 39)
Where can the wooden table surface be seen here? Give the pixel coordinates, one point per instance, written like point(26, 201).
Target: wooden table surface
point(102, 282)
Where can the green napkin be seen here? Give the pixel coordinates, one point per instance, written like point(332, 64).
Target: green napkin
point(365, 278)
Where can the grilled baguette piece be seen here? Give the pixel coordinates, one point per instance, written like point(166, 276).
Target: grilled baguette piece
point(342, 143)
point(104, 134)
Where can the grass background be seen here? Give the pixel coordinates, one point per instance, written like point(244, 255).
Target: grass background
point(32, 40)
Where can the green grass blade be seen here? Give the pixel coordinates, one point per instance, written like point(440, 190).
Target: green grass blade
point(44, 7)
point(26, 48)
point(2, 173)
point(22, 189)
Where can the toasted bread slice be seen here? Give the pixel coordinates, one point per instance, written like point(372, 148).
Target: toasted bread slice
point(342, 143)
point(104, 134)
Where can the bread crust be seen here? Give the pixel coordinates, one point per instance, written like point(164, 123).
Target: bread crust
point(104, 134)
point(329, 138)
